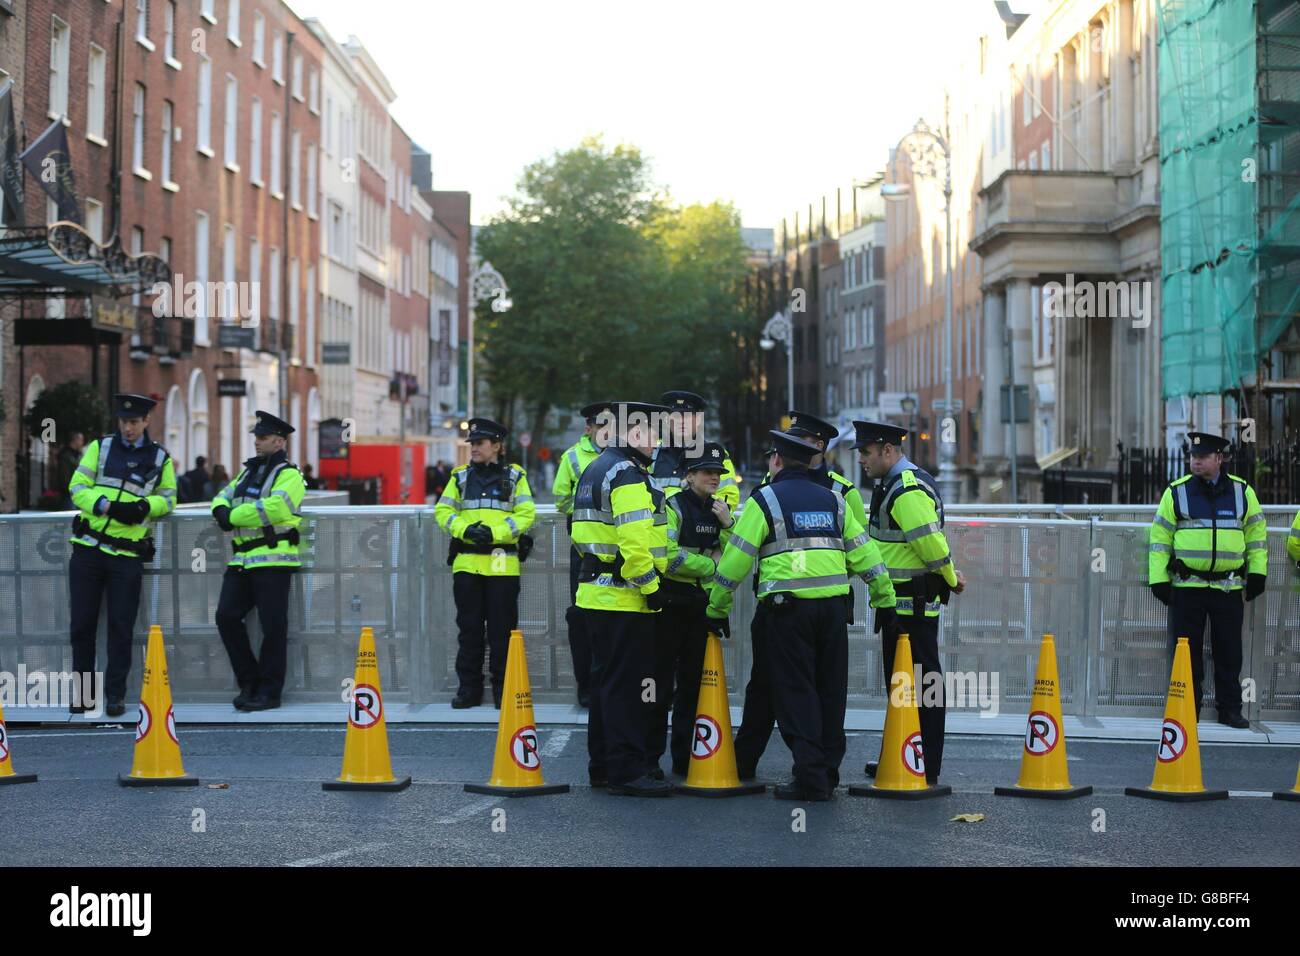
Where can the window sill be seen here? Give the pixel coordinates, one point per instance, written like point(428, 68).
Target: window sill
point(143, 173)
point(279, 196)
point(207, 151)
point(97, 140)
point(211, 18)
point(260, 64)
point(174, 63)
point(297, 207)
point(146, 43)
point(59, 116)
point(258, 183)
point(234, 41)
point(170, 186)
point(278, 80)
point(315, 217)
point(232, 167)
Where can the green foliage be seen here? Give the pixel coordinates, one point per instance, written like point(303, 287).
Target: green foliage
point(616, 292)
point(74, 407)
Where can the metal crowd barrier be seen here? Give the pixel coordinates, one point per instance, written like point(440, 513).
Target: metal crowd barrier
point(1081, 579)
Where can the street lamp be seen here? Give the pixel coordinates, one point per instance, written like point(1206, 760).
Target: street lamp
point(779, 328)
point(927, 149)
point(485, 283)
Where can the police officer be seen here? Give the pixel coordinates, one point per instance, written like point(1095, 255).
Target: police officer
point(759, 712)
point(907, 523)
point(620, 527)
point(1208, 543)
point(572, 464)
point(806, 541)
point(487, 509)
point(698, 526)
point(1293, 541)
point(124, 481)
point(262, 509)
point(669, 461)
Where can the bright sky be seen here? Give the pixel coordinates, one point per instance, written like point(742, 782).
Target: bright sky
point(767, 104)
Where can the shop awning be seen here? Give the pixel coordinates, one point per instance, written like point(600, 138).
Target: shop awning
point(62, 259)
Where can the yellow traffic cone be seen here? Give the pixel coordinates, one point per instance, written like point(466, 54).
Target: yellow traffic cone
point(7, 774)
point(157, 760)
point(366, 765)
point(1178, 759)
point(1293, 794)
point(900, 774)
point(517, 767)
point(1043, 771)
point(713, 753)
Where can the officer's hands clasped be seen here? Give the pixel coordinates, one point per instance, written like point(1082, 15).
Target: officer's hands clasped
point(478, 533)
point(129, 512)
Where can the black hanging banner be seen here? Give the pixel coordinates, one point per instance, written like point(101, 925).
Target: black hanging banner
point(48, 161)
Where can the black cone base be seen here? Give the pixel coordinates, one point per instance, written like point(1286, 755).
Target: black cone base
point(1292, 795)
point(400, 783)
point(936, 790)
point(516, 791)
point(740, 791)
point(18, 778)
point(1069, 793)
point(1197, 797)
point(127, 780)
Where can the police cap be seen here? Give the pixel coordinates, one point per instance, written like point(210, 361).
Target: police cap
point(268, 424)
point(793, 447)
point(1203, 443)
point(132, 406)
point(680, 401)
point(487, 428)
point(592, 412)
point(868, 433)
point(712, 458)
point(810, 426)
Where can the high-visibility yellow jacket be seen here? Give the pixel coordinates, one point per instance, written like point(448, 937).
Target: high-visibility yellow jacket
point(1210, 528)
point(496, 495)
point(1293, 539)
point(112, 471)
point(619, 521)
point(907, 523)
point(806, 542)
point(693, 533)
point(837, 483)
point(572, 463)
point(668, 470)
point(265, 502)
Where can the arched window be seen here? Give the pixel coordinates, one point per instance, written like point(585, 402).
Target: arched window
point(177, 432)
point(38, 451)
point(250, 419)
point(313, 429)
point(198, 417)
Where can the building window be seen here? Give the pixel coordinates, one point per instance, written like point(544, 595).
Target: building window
point(310, 343)
point(142, 22)
point(203, 122)
point(277, 59)
point(255, 282)
point(201, 276)
point(137, 247)
point(95, 220)
point(232, 22)
point(208, 8)
point(95, 94)
point(1046, 162)
point(137, 130)
point(313, 92)
point(273, 294)
point(60, 47)
point(293, 291)
point(229, 297)
point(231, 157)
point(311, 180)
point(295, 169)
point(297, 77)
point(259, 39)
point(276, 189)
point(169, 34)
point(255, 144)
point(168, 111)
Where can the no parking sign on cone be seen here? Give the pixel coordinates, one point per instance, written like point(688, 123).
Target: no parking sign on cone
point(366, 764)
point(713, 754)
point(7, 774)
point(157, 760)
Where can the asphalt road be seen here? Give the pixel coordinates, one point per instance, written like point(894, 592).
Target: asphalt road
point(275, 813)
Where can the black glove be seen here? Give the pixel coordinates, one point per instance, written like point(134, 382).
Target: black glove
point(1161, 591)
point(478, 533)
point(1255, 585)
point(657, 600)
point(222, 516)
point(129, 512)
point(720, 626)
point(886, 618)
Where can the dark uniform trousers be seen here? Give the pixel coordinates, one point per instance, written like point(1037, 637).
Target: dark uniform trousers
point(808, 651)
point(266, 589)
point(760, 713)
point(92, 574)
point(681, 634)
point(579, 643)
point(923, 634)
point(1189, 608)
point(484, 602)
point(622, 656)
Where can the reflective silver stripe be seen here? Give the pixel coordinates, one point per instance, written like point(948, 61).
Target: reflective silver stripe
point(827, 581)
point(284, 557)
point(450, 521)
point(88, 472)
point(287, 500)
point(572, 456)
point(593, 548)
point(727, 483)
point(920, 531)
point(1165, 548)
point(1186, 523)
point(522, 499)
point(627, 517)
point(643, 579)
point(741, 544)
point(591, 514)
point(167, 492)
point(1254, 518)
point(727, 583)
point(672, 533)
point(676, 562)
point(486, 504)
point(609, 478)
point(1220, 555)
point(1294, 533)
point(658, 552)
point(609, 581)
point(774, 510)
point(907, 572)
point(1180, 500)
point(564, 503)
point(888, 534)
point(854, 543)
point(939, 563)
point(1256, 545)
point(800, 544)
point(1239, 497)
point(261, 512)
point(514, 528)
point(661, 517)
point(450, 502)
point(1164, 523)
point(873, 571)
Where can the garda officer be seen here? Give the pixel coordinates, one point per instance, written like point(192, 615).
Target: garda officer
point(262, 510)
point(620, 528)
point(572, 463)
point(907, 524)
point(1209, 536)
point(1293, 541)
point(124, 481)
point(698, 525)
point(759, 713)
point(806, 541)
point(487, 509)
point(668, 463)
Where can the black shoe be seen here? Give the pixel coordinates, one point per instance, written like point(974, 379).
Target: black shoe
point(870, 768)
point(115, 707)
point(584, 699)
point(681, 769)
point(931, 781)
point(246, 693)
point(746, 774)
point(643, 786)
point(463, 700)
point(262, 702)
point(1233, 718)
point(795, 791)
point(655, 773)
